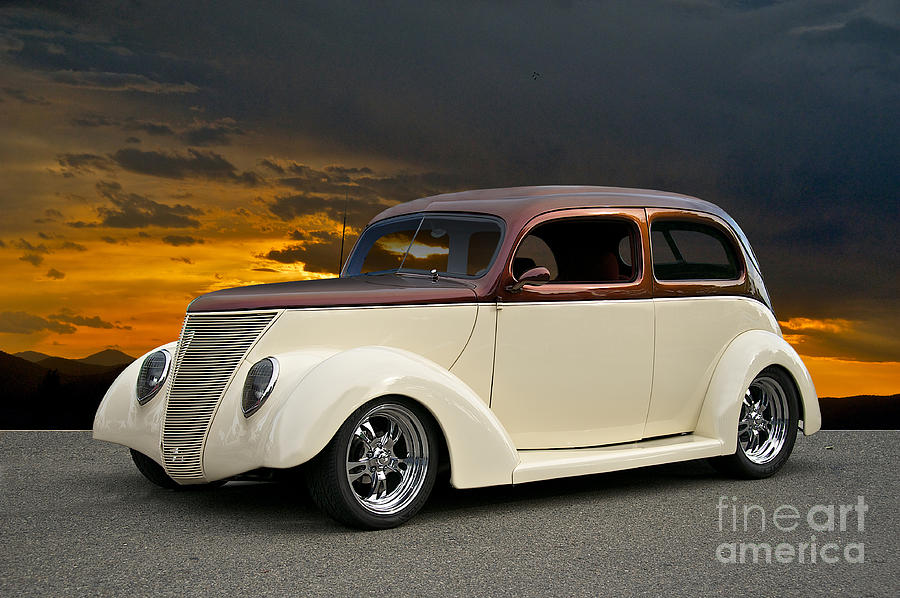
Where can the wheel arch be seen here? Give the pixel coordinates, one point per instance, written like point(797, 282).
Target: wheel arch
point(444, 463)
point(746, 356)
point(790, 376)
point(479, 449)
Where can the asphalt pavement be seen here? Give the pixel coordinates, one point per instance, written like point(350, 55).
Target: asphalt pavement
point(77, 519)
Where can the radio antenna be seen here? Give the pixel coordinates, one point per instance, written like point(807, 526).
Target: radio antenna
point(343, 233)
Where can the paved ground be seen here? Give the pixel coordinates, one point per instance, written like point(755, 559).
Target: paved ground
point(77, 519)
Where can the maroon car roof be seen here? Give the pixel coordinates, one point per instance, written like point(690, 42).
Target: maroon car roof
point(523, 203)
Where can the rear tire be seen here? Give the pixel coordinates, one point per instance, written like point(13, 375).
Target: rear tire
point(380, 467)
point(767, 427)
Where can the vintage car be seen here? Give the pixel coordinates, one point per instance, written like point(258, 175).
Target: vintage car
point(508, 335)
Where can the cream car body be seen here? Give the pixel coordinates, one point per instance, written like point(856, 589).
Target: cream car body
point(545, 381)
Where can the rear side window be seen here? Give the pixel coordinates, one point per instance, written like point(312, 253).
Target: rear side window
point(692, 251)
point(586, 250)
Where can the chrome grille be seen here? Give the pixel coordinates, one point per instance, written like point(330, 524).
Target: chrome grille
point(209, 351)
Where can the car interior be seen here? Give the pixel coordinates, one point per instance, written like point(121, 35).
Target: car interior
point(582, 250)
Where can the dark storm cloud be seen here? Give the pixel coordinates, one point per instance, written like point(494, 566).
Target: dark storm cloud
point(272, 165)
point(33, 259)
point(344, 170)
point(82, 224)
point(149, 127)
point(131, 210)
point(72, 245)
point(107, 81)
point(93, 120)
point(316, 257)
point(859, 30)
point(55, 274)
point(75, 164)
point(25, 98)
point(289, 207)
point(185, 260)
point(315, 236)
point(20, 322)
point(30, 248)
point(180, 240)
point(362, 191)
point(9, 43)
point(197, 133)
point(217, 132)
point(67, 316)
point(178, 165)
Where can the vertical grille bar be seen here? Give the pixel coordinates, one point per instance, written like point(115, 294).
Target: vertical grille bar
point(210, 348)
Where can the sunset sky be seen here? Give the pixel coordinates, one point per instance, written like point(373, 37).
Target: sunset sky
point(151, 152)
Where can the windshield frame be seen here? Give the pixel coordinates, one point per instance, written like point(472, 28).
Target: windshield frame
point(420, 217)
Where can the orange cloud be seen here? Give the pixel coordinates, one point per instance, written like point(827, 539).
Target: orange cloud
point(833, 325)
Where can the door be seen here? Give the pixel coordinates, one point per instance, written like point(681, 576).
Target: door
point(573, 358)
point(700, 287)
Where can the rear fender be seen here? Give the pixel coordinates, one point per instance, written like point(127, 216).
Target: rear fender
point(747, 355)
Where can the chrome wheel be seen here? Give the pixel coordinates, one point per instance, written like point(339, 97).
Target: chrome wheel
point(387, 459)
point(764, 421)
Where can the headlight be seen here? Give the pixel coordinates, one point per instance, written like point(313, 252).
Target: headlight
point(152, 375)
point(260, 382)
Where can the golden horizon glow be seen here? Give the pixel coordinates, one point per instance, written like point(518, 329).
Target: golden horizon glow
point(844, 378)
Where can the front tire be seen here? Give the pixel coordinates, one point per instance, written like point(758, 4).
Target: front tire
point(154, 472)
point(379, 468)
point(767, 427)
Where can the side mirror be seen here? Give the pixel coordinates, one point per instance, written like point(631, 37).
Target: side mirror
point(535, 276)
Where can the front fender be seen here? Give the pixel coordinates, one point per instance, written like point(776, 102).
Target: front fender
point(481, 452)
point(122, 420)
point(747, 355)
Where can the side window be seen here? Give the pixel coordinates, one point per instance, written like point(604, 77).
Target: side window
point(600, 250)
point(692, 251)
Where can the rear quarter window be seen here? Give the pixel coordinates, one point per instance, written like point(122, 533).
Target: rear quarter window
point(684, 250)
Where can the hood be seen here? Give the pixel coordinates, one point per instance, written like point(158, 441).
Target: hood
point(385, 289)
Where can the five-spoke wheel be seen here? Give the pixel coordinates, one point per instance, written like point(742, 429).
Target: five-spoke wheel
point(762, 428)
point(379, 468)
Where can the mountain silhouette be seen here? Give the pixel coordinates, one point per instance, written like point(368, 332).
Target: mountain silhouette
point(63, 396)
point(107, 357)
point(72, 367)
point(32, 356)
point(860, 412)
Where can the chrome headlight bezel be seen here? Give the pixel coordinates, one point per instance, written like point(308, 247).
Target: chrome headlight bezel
point(144, 391)
point(250, 404)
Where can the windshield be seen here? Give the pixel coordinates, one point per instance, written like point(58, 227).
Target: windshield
point(460, 246)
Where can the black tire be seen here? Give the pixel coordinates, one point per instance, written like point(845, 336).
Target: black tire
point(776, 428)
point(406, 470)
point(154, 472)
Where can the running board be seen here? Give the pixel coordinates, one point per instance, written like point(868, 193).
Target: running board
point(537, 465)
